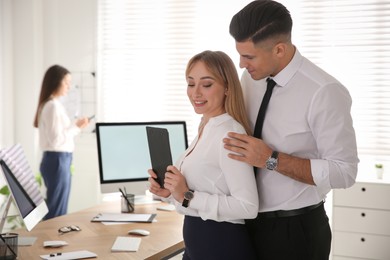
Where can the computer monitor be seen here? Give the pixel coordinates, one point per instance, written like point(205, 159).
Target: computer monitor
point(23, 187)
point(123, 153)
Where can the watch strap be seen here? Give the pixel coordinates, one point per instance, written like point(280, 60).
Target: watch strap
point(186, 201)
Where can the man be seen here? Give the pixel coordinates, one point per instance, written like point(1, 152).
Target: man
point(307, 145)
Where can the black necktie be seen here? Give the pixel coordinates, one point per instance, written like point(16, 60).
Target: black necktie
point(261, 115)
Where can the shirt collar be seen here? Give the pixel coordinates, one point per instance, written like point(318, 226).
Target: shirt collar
point(218, 119)
point(284, 76)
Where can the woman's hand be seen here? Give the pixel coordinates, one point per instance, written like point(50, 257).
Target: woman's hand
point(175, 183)
point(155, 187)
point(82, 122)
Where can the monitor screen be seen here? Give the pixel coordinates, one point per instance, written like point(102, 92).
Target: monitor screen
point(23, 186)
point(123, 153)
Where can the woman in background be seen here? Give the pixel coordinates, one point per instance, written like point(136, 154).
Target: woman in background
point(56, 139)
point(214, 192)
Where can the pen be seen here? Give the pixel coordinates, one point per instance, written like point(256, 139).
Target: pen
point(128, 202)
point(131, 206)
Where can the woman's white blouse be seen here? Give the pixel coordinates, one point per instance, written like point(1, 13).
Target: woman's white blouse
point(225, 189)
point(56, 131)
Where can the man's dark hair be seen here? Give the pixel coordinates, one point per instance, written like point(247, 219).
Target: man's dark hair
point(260, 20)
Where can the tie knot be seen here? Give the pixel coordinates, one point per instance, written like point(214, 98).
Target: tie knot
point(270, 83)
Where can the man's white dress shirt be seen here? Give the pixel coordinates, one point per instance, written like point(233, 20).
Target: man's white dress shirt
point(308, 116)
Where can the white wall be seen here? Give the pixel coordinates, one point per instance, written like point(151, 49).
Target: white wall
point(6, 72)
point(35, 35)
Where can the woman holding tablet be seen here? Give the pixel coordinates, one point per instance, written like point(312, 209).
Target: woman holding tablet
point(214, 192)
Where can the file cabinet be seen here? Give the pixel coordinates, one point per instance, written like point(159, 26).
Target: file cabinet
point(361, 222)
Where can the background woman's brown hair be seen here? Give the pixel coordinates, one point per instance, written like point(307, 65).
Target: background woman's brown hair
point(50, 85)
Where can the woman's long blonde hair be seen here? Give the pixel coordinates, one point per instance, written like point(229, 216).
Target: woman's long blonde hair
point(223, 69)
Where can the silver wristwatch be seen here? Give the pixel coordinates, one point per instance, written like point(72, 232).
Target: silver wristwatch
point(272, 161)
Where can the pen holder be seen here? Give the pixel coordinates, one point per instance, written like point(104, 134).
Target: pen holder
point(127, 206)
point(8, 246)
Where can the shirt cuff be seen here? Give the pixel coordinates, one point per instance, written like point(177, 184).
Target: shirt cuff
point(320, 173)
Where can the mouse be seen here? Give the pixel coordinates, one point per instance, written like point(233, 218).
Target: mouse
point(54, 243)
point(140, 232)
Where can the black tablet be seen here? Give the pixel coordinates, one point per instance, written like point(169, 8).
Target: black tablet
point(160, 151)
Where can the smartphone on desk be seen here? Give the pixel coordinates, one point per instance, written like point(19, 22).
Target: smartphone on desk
point(160, 151)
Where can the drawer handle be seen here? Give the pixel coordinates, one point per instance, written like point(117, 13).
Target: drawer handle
point(362, 239)
point(363, 214)
point(363, 189)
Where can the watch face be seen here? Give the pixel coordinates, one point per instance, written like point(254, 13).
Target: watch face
point(271, 163)
point(188, 195)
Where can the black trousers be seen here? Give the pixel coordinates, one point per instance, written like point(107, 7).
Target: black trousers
point(303, 237)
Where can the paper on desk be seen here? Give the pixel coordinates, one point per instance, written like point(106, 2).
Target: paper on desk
point(130, 244)
point(125, 217)
point(70, 255)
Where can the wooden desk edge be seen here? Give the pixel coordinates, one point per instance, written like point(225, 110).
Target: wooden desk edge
point(168, 252)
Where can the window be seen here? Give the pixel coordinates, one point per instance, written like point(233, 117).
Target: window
point(144, 47)
point(350, 39)
point(143, 50)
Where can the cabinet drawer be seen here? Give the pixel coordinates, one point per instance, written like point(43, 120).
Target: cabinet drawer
point(361, 245)
point(365, 195)
point(361, 220)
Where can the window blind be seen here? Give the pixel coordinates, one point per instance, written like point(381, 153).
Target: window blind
point(143, 50)
point(144, 47)
point(351, 40)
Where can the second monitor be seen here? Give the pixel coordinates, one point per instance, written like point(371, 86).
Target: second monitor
point(123, 153)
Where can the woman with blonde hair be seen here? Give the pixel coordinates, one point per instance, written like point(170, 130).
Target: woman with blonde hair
point(214, 192)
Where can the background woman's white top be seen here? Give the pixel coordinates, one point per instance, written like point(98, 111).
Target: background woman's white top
point(56, 131)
